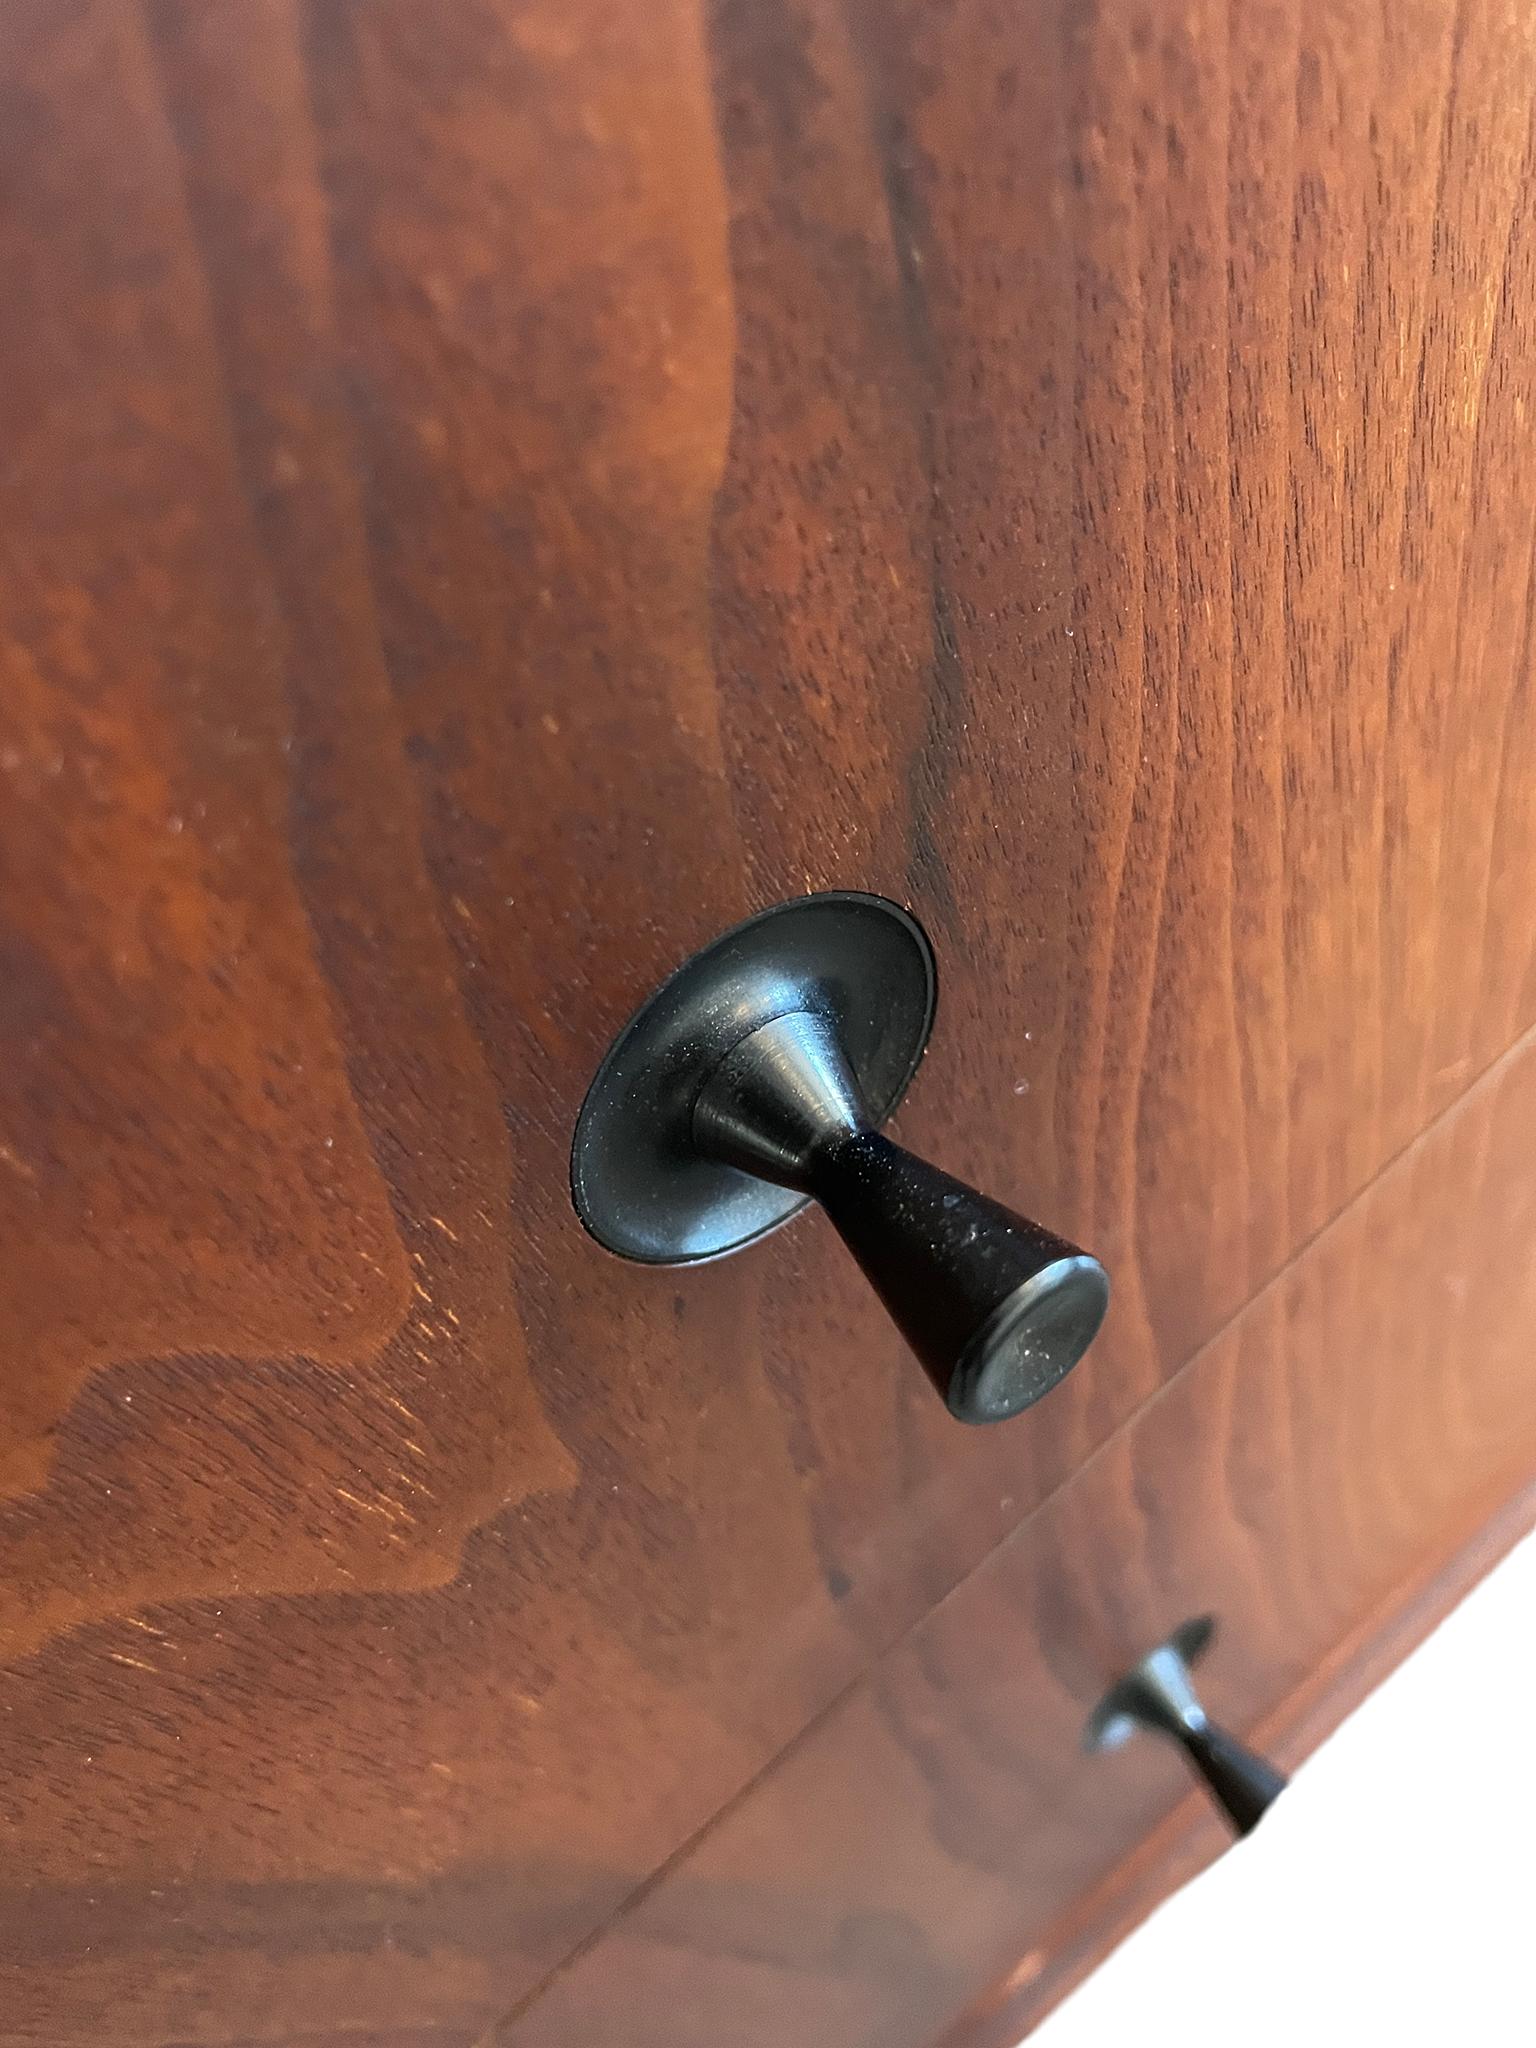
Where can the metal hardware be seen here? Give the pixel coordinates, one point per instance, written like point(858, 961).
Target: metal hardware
point(1159, 1695)
point(757, 1078)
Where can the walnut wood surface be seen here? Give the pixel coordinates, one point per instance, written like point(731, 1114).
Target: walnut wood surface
point(1339, 1441)
point(491, 493)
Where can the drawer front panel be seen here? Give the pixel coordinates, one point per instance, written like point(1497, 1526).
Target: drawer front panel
point(1304, 1476)
point(492, 494)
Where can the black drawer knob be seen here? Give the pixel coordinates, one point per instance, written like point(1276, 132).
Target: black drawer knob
point(1159, 1695)
point(757, 1078)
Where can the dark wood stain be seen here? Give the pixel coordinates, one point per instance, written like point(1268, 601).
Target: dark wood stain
point(490, 495)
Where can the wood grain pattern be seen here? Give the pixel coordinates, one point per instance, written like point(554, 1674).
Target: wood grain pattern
point(1331, 1450)
point(490, 495)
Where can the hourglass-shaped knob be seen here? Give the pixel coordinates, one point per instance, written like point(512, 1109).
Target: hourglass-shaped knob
point(1159, 1695)
point(997, 1309)
point(757, 1078)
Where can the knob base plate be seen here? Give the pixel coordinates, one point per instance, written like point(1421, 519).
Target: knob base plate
point(1112, 1722)
point(640, 1185)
